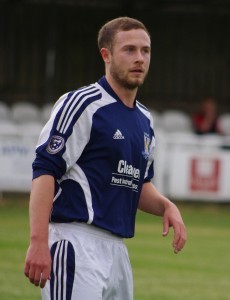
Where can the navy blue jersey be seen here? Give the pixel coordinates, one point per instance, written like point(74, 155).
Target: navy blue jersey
point(100, 152)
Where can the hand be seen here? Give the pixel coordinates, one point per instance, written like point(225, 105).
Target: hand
point(172, 218)
point(38, 264)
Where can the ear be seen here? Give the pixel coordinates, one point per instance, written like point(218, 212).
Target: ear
point(105, 53)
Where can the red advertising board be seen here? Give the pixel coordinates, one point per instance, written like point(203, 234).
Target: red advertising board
point(205, 174)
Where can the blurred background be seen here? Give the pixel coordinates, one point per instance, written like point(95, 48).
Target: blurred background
point(49, 47)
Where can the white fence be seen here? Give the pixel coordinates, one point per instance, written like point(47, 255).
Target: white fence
point(16, 156)
point(191, 167)
point(187, 166)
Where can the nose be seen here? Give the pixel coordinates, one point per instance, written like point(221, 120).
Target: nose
point(139, 56)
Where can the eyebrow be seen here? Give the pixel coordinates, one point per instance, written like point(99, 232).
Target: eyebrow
point(134, 46)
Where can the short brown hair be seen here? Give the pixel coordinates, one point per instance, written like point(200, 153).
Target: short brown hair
point(108, 30)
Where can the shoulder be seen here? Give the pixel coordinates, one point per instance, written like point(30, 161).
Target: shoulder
point(91, 91)
point(78, 99)
point(145, 111)
point(79, 104)
point(142, 108)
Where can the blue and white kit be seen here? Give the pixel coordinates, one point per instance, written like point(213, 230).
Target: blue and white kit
point(100, 152)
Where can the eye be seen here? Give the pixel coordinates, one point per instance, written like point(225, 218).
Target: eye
point(130, 49)
point(146, 50)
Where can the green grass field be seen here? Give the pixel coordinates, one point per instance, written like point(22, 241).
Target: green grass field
point(200, 272)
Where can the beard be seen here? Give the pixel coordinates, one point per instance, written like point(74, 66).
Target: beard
point(123, 80)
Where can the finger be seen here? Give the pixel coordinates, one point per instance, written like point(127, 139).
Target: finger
point(165, 228)
point(26, 269)
point(31, 274)
point(44, 277)
point(43, 283)
point(183, 239)
point(176, 237)
point(179, 239)
point(37, 277)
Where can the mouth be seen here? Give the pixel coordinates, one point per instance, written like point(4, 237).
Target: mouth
point(137, 71)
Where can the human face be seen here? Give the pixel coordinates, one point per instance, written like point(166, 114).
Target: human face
point(130, 58)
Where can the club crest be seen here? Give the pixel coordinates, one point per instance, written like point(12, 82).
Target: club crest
point(56, 144)
point(146, 151)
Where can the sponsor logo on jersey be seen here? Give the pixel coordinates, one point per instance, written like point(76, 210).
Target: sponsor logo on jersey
point(125, 168)
point(118, 135)
point(126, 176)
point(56, 144)
point(146, 151)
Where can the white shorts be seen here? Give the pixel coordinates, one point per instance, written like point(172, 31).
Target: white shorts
point(87, 264)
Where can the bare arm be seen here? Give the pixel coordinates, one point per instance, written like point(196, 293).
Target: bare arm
point(153, 202)
point(38, 261)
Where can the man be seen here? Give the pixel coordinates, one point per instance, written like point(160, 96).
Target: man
point(93, 169)
point(206, 120)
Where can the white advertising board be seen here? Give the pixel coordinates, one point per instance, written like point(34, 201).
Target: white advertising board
point(16, 157)
point(199, 175)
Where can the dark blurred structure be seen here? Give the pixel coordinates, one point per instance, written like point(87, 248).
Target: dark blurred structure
point(48, 47)
point(206, 119)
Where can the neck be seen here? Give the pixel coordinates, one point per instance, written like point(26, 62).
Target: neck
point(126, 95)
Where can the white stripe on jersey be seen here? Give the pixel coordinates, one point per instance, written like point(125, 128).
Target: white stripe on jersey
point(151, 157)
point(68, 104)
point(60, 270)
point(82, 129)
point(64, 128)
point(78, 174)
point(83, 181)
point(65, 271)
point(58, 194)
point(54, 199)
point(59, 279)
point(67, 114)
point(54, 270)
point(147, 113)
